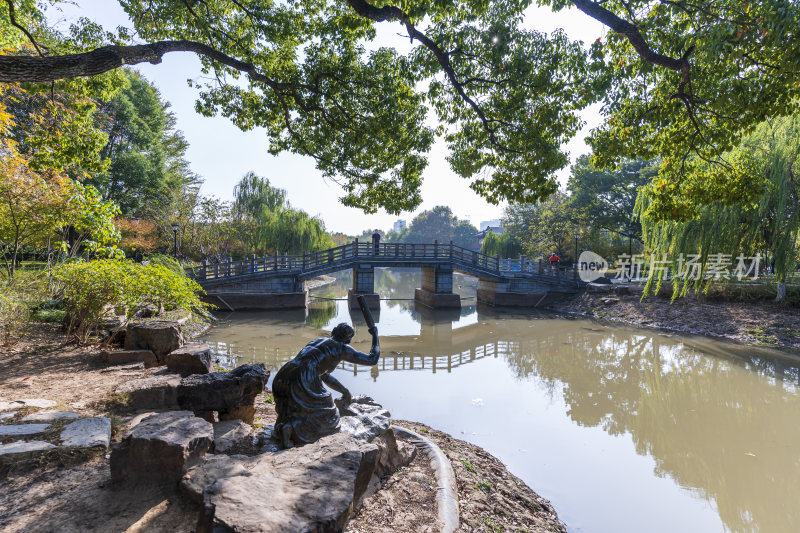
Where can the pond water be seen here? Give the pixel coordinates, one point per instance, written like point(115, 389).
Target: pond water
point(622, 429)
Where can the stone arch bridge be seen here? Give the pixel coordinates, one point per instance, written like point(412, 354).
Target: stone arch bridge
point(280, 281)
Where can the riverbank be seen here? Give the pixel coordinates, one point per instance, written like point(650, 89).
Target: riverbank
point(73, 493)
point(758, 323)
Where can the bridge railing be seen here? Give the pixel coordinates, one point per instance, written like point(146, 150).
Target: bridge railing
point(526, 265)
point(408, 252)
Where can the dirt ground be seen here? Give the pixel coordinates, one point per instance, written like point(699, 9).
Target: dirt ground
point(761, 323)
point(65, 492)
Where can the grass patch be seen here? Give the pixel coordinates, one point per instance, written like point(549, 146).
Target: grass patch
point(485, 486)
point(116, 401)
point(762, 336)
point(494, 528)
point(469, 467)
point(52, 316)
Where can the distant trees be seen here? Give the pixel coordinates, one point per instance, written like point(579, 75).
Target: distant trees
point(604, 199)
point(437, 224)
point(541, 228)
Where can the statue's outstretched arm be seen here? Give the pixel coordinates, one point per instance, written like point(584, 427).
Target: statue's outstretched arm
point(360, 358)
point(336, 385)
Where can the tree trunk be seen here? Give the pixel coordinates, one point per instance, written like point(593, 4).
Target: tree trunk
point(781, 291)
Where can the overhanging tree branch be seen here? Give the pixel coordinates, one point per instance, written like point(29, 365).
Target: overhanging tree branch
point(634, 36)
point(12, 17)
point(18, 68)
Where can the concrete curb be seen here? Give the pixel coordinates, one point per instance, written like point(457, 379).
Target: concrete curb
point(446, 489)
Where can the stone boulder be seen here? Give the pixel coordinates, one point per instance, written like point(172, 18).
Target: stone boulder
point(232, 394)
point(192, 358)
point(363, 418)
point(121, 357)
point(161, 448)
point(153, 392)
point(367, 421)
point(231, 434)
point(158, 336)
point(314, 488)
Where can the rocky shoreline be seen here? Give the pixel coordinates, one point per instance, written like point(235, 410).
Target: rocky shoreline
point(75, 489)
point(756, 323)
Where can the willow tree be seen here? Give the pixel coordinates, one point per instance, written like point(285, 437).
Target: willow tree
point(676, 79)
point(762, 218)
point(268, 223)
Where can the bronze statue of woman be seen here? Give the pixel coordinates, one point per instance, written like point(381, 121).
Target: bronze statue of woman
point(306, 411)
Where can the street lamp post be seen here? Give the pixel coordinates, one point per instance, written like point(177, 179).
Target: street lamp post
point(576, 255)
point(576, 248)
point(630, 253)
point(175, 236)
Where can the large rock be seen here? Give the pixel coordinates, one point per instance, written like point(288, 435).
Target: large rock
point(367, 421)
point(192, 358)
point(313, 488)
point(154, 392)
point(121, 357)
point(161, 448)
point(232, 394)
point(363, 418)
point(160, 337)
point(231, 434)
point(87, 433)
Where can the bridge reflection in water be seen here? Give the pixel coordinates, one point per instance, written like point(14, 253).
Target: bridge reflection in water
point(623, 430)
point(447, 347)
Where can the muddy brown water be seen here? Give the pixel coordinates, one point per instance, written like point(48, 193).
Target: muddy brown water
point(623, 429)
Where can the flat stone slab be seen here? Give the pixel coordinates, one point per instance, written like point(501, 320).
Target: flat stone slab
point(23, 430)
point(87, 433)
point(155, 392)
point(30, 402)
point(49, 416)
point(120, 357)
point(123, 368)
point(20, 448)
point(8, 414)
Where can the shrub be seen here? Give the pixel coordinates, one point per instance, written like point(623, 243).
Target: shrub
point(166, 261)
point(93, 289)
point(19, 296)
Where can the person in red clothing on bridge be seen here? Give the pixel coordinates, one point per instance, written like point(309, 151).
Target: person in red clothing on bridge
point(554, 259)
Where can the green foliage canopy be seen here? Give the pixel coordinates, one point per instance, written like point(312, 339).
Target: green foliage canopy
point(145, 152)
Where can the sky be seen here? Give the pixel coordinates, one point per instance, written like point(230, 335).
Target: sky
point(221, 153)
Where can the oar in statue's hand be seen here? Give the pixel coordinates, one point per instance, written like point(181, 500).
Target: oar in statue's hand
point(362, 303)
